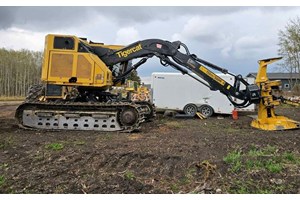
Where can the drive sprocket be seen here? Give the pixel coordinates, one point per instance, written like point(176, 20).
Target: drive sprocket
point(128, 116)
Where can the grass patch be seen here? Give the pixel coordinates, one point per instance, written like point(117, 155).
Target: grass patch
point(252, 187)
point(262, 164)
point(234, 159)
point(175, 188)
point(273, 167)
point(55, 146)
point(2, 180)
point(7, 142)
point(258, 159)
point(129, 175)
point(240, 188)
point(291, 157)
point(244, 189)
point(255, 153)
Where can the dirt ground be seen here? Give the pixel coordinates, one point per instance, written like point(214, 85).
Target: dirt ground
point(167, 155)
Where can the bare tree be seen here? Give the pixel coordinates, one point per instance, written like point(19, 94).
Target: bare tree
point(18, 71)
point(289, 48)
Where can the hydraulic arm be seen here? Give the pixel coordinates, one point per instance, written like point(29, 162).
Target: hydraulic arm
point(169, 54)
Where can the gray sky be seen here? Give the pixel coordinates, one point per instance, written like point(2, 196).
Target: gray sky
point(231, 37)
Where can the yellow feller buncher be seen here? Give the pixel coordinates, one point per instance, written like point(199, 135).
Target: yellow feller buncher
point(77, 77)
point(137, 92)
point(133, 91)
point(266, 118)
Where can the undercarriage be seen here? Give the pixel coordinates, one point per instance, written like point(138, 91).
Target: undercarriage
point(73, 115)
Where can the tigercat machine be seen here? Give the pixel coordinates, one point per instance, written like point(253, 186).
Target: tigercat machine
point(77, 77)
point(137, 92)
point(266, 118)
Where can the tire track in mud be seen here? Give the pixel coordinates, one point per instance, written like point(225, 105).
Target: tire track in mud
point(92, 172)
point(149, 163)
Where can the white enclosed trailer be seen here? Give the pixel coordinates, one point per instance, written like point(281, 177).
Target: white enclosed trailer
point(174, 91)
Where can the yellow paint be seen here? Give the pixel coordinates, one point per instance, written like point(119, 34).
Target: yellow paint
point(266, 118)
point(59, 65)
point(212, 75)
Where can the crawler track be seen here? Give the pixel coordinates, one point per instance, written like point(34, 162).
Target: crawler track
point(69, 115)
point(120, 116)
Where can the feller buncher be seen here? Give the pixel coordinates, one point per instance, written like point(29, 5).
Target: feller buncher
point(266, 118)
point(136, 92)
point(132, 91)
point(78, 74)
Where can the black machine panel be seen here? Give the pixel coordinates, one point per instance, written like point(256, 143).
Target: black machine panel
point(64, 43)
point(53, 90)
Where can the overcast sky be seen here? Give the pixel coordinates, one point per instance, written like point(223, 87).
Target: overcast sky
point(231, 37)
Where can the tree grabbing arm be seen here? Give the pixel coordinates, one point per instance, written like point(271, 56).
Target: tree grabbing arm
point(169, 54)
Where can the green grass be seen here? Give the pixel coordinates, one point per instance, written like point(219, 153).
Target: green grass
point(55, 146)
point(175, 188)
point(237, 166)
point(270, 150)
point(266, 161)
point(234, 159)
point(2, 180)
point(7, 142)
point(273, 167)
point(255, 153)
point(241, 190)
point(291, 157)
point(129, 175)
point(260, 159)
point(253, 187)
point(254, 164)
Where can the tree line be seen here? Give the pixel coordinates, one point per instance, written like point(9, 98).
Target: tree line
point(18, 71)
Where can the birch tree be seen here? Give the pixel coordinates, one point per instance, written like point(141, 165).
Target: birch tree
point(18, 71)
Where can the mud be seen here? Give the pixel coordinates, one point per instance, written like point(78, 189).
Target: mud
point(167, 155)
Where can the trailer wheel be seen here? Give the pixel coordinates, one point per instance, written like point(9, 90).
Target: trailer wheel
point(206, 110)
point(190, 109)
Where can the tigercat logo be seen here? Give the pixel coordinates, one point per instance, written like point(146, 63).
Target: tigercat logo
point(124, 54)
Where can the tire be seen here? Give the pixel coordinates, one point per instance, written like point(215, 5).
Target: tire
point(206, 110)
point(190, 109)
